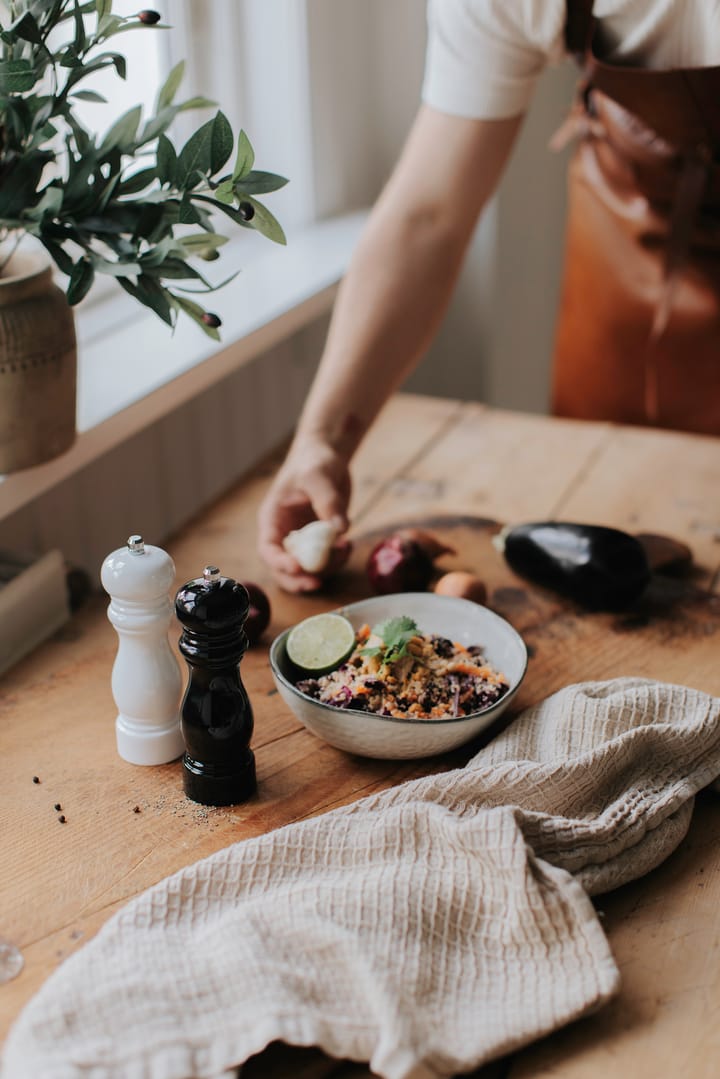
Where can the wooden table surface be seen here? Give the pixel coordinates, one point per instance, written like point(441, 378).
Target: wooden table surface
point(456, 468)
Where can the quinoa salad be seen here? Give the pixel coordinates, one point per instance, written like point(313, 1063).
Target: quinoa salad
point(395, 670)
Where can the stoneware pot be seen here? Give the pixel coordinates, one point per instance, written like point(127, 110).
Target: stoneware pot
point(38, 362)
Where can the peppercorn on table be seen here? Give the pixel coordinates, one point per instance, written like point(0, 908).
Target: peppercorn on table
point(94, 831)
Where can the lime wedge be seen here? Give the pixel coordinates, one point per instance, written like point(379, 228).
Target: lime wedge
point(320, 643)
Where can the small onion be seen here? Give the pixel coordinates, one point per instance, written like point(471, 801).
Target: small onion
point(462, 584)
point(398, 565)
point(404, 561)
point(258, 617)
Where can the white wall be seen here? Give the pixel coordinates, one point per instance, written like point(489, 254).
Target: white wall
point(365, 64)
point(496, 341)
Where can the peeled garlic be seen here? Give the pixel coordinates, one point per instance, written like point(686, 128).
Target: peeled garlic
point(311, 545)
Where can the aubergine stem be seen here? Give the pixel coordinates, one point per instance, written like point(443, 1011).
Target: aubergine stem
point(498, 540)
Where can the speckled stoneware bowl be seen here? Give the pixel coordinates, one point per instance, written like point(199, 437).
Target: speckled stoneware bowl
point(385, 736)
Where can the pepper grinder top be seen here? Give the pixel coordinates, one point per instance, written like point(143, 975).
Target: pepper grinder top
point(138, 573)
point(213, 610)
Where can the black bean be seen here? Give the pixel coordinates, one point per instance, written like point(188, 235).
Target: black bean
point(443, 647)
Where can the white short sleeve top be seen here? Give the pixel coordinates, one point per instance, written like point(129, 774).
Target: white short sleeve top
point(484, 56)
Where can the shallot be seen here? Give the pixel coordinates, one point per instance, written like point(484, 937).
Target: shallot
point(462, 584)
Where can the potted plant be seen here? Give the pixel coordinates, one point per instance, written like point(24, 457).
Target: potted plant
point(126, 203)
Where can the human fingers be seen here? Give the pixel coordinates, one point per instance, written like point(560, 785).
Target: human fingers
point(341, 551)
point(277, 558)
point(297, 582)
point(281, 511)
point(328, 501)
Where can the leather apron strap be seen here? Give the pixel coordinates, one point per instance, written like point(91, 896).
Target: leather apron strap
point(639, 326)
point(578, 26)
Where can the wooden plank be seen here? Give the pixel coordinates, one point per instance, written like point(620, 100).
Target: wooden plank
point(504, 465)
point(105, 852)
point(406, 430)
point(458, 467)
point(657, 481)
point(63, 880)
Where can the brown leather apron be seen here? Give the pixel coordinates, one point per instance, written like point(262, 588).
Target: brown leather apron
point(638, 336)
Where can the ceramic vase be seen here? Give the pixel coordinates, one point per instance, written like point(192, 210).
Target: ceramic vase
point(38, 362)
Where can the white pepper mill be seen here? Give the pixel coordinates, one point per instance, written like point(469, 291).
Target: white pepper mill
point(146, 678)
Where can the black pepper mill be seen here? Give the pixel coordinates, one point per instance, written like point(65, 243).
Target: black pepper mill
point(216, 718)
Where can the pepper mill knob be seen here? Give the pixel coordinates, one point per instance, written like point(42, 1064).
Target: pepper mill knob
point(146, 679)
point(216, 716)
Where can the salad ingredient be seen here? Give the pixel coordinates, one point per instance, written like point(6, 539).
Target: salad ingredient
point(404, 561)
point(320, 643)
point(395, 670)
point(462, 584)
point(598, 567)
point(311, 545)
point(395, 635)
point(258, 617)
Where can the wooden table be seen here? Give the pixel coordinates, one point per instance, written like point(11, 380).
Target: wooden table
point(455, 467)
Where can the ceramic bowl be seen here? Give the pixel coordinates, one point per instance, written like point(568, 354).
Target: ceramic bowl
point(385, 736)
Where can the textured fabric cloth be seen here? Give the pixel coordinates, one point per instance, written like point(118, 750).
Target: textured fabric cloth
point(484, 56)
point(426, 929)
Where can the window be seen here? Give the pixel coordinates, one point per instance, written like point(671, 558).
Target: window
point(147, 64)
point(298, 76)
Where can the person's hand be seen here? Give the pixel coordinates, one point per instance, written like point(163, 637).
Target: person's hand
point(312, 484)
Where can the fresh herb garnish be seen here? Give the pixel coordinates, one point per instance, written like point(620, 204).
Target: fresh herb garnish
point(396, 634)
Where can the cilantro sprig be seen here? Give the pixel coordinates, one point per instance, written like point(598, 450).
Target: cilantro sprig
point(396, 634)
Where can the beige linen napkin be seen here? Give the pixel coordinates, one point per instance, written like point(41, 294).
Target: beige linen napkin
point(426, 929)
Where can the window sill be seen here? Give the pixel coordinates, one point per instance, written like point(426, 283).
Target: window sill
point(132, 371)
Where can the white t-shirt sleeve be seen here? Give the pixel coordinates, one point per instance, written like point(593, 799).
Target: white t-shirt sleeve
point(484, 56)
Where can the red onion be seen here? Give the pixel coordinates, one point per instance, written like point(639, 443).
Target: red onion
point(258, 617)
point(403, 561)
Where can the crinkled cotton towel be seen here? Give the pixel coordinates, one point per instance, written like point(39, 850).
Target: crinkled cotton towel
point(425, 929)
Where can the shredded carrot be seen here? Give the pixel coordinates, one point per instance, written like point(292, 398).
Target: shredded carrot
point(468, 668)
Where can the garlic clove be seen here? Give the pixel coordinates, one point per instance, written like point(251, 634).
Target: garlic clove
point(311, 545)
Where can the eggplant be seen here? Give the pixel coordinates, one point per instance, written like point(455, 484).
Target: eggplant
point(600, 568)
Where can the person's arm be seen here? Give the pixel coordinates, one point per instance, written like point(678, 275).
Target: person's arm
point(388, 308)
